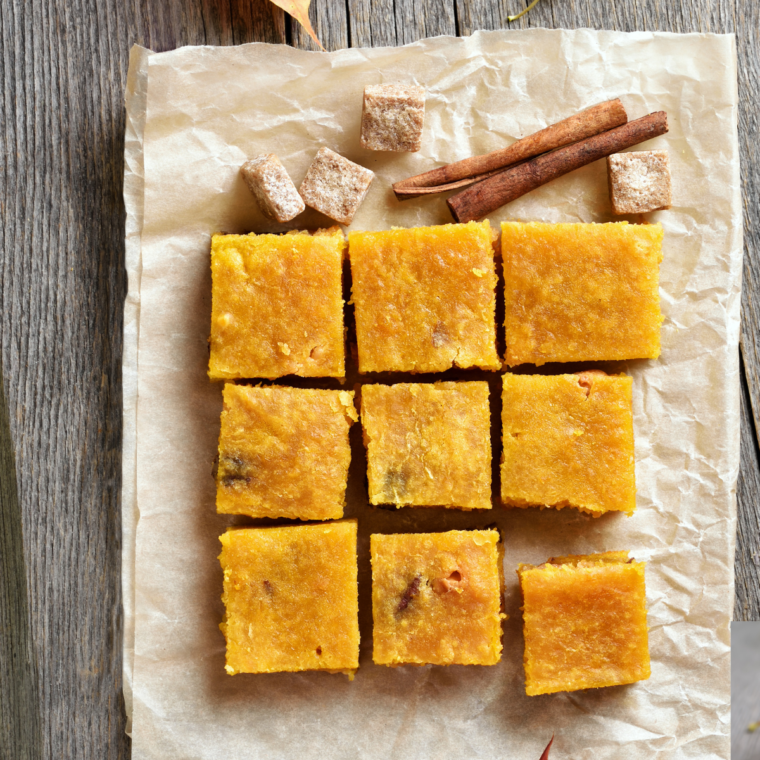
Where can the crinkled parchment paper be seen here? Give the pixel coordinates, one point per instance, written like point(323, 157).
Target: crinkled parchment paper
point(194, 115)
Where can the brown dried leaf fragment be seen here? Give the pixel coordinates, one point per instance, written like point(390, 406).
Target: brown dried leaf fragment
point(411, 591)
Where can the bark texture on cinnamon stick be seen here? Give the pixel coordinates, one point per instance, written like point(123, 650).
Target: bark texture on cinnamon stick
point(481, 199)
point(592, 121)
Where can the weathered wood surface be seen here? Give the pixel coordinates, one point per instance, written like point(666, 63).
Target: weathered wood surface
point(62, 73)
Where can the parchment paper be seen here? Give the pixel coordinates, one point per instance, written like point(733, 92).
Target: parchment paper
point(207, 110)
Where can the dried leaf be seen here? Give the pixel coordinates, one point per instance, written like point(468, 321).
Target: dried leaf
point(299, 10)
point(520, 15)
point(545, 755)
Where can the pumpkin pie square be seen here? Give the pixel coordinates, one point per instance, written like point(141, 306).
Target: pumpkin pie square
point(428, 444)
point(277, 305)
point(581, 292)
point(272, 446)
point(585, 623)
point(424, 298)
point(291, 598)
point(437, 598)
point(567, 441)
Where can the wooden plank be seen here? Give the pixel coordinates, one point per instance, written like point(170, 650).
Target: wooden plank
point(330, 22)
point(424, 18)
point(747, 561)
point(173, 23)
point(748, 28)
point(235, 22)
point(375, 24)
point(372, 23)
point(62, 286)
point(19, 699)
point(643, 15)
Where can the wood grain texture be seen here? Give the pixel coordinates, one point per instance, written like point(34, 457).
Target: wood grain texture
point(747, 560)
point(749, 142)
point(62, 73)
point(329, 20)
point(18, 730)
point(62, 286)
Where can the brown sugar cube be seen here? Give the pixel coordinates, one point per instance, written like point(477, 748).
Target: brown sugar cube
point(639, 181)
point(272, 448)
point(272, 188)
point(335, 186)
point(585, 623)
point(428, 444)
point(392, 117)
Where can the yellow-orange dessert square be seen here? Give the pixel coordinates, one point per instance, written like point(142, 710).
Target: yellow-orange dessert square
point(424, 298)
point(585, 623)
point(581, 292)
point(277, 305)
point(291, 598)
point(284, 452)
point(567, 441)
point(436, 598)
point(428, 444)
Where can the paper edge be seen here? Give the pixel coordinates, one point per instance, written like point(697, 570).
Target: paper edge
point(444, 38)
point(734, 318)
point(135, 99)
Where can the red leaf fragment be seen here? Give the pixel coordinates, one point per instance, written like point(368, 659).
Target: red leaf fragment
point(545, 755)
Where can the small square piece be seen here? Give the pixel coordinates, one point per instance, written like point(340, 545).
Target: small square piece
point(272, 187)
point(437, 598)
point(277, 305)
point(335, 186)
point(425, 298)
point(392, 117)
point(585, 623)
point(428, 444)
point(568, 442)
point(639, 181)
point(291, 598)
point(272, 448)
point(581, 292)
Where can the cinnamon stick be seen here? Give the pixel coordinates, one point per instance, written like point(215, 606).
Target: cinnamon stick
point(590, 122)
point(405, 193)
point(481, 199)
